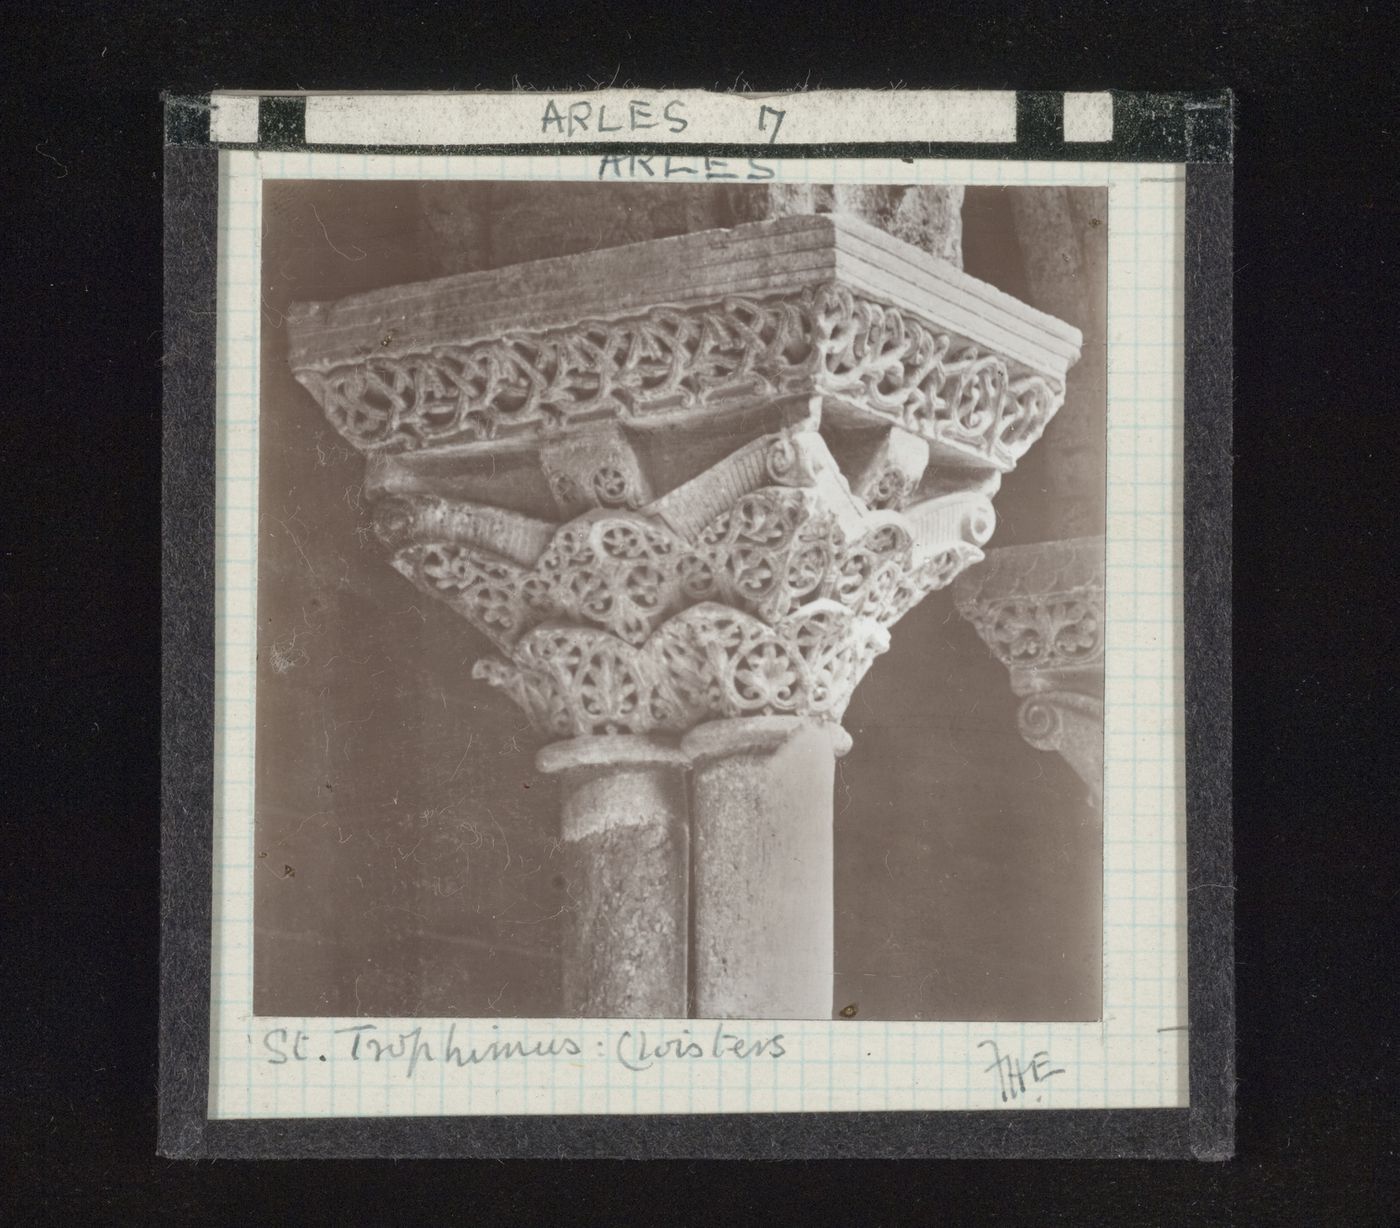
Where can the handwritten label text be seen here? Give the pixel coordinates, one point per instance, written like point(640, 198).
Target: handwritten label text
point(635, 1049)
point(1011, 1073)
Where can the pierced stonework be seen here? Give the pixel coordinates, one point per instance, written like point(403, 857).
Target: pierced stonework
point(775, 550)
point(615, 571)
point(1060, 631)
point(685, 487)
point(706, 663)
point(878, 361)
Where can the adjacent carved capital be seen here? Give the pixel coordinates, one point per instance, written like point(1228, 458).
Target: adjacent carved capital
point(1071, 725)
point(1040, 609)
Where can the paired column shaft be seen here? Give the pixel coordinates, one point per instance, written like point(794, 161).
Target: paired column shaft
point(710, 901)
point(626, 840)
point(762, 912)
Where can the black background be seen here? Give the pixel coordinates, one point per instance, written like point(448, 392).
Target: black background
point(1315, 640)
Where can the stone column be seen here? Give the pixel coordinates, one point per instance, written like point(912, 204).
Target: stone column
point(626, 835)
point(685, 487)
point(762, 910)
point(1040, 609)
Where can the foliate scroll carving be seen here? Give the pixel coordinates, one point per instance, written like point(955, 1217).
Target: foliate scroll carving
point(777, 550)
point(888, 487)
point(1040, 609)
point(618, 572)
point(880, 361)
point(772, 552)
point(708, 662)
point(849, 445)
point(1051, 632)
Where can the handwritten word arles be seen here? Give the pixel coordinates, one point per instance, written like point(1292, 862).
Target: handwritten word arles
point(656, 166)
point(579, 118)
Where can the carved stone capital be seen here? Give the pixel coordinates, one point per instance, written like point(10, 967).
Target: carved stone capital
point(708, 662)
point(691, 479)
point(1040, 609)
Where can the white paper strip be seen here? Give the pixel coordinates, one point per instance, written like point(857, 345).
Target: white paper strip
point(683, 117)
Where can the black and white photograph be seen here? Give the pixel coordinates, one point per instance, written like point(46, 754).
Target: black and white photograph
point(680, 600)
